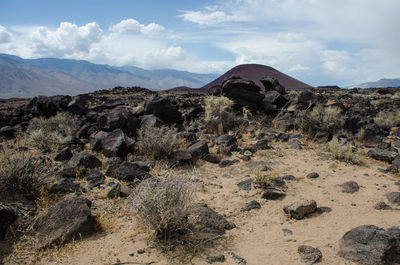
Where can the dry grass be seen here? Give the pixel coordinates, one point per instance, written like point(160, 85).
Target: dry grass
point(388, 119)
point(329, 120)
point(161, 204)
point(23, 171)
point(343, 152)
point(157, 143)
point(219, 117)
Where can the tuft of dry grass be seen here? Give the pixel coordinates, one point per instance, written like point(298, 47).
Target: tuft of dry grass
point(329, 120)
point(157, 143)
point(161, 204)
point(388, 119)
point(219, 116)
point(343, 152)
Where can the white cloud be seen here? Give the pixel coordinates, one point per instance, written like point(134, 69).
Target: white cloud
point(5, 36)
point(133, 26)
point(299, 68)
point(68, 40)
point(212, 16)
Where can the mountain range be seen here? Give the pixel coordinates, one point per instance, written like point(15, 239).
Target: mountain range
point(50, 76)
point(385, 82)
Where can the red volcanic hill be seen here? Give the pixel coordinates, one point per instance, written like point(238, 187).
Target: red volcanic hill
point(255, 72)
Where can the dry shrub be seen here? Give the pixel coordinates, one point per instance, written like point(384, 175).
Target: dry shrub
point(23, 171)
point(388, 119)
point(157, 142)
point(46, 134)
point(219, 116)
point(161, 204)
point(343, 152)
point(329, 120)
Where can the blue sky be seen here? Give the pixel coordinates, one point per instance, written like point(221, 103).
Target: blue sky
point(343, 42)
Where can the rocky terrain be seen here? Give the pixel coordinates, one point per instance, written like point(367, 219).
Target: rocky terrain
point(250, 174)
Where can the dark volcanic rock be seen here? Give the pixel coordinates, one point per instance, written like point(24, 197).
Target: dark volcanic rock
point(216, 258)
point(226, 139)
point(312, 175)
point(251, 205)
point(67, 220)
point(393, 197)
point(86, 160)
point(163, 109)
point(119, 118)
point(180, 158)
point(371, 245)
point(349, 187)
point(95, 179)
point(227, 163)
point(271, 83)
point(300, 209)
point(65, 186)
point(114, 144)
point(128, 171)
point(150, 120)
point(245, 185)
point(382, 155)
point(209, 221)
point(64, 155)
point(308, 254)
point(273, 194)
point(199, 149)
point(243, 92)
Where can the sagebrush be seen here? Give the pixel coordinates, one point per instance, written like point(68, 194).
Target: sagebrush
point(388, 119)
point(219, 116)
point(157, 142)
point(320, 119)
point(161, 204)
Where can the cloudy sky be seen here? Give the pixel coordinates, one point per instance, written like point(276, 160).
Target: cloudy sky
point(320, 42)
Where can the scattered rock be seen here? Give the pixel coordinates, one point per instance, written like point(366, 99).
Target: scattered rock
point(227, 163)
point(180, 158)
point(300, 209)
point(84, 159)
point(164, 109)
point(67, 220)
point(114, 144)
point(209, 221)
point(261, 145)
point(8, 215)
point(64, 155)
point(257, 165)
point(199, 149)
point(66, 186)
point(239, 260)
point(114, 191)
point(382, 206)
point(216, 258)
point(225, 139)
point(251, 205)
point(287, 232)
point(393, 197)
point(371, 245)
point(295, 144)
point(382, 155)
point(245, 184)
point(95, 179)
point(349, 187)
point(312, 175)
point(273, 194)
point(128, 171)
point(308, 254)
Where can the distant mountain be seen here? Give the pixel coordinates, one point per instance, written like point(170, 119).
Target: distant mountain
point(385, 82)
point(256, 72)
point(49, 76)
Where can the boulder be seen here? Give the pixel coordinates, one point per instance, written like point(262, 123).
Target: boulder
point(84, 159)
point(41, 106)
point(114, 144)
point(68, 220)
point(180, 158)
point(393, 197)
point(272, 84)
point(128, 171)
point(95, 179)
point(275, 98)
point(243, 92)
point(199, 149)
point(150, 120)
point(349, 187)
point(225, 139)
point(78, 105)
point(300, 209)
point(64, 155)
point(119, 118)
point(164, 109)
point(371, 245)
point(66, 186)
point(208, 221)
point(382, 155)
point(308, 254)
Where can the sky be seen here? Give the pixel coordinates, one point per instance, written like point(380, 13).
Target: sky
point(320, 42)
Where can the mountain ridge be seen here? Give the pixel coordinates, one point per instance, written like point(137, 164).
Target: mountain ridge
point(381, 83)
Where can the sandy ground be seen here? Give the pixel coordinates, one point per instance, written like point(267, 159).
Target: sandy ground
point(259, 237)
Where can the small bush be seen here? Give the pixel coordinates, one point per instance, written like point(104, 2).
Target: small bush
point(343, 152)
point(388, 119)
point(161, 204)
point(63, 123)
point(329, 120)
point(23, 172)
point(219, 117)
point(45, 142)
point(157, 142)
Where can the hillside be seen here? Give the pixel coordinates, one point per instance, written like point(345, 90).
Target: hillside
point(50, 76)
point(255, 72)
point(384, 82)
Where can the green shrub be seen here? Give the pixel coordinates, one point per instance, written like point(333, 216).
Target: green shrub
point(219, 117)
point(45, 142)
point(161, 204)
point(329, 120)
point(63, 123)
point(157, 142)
